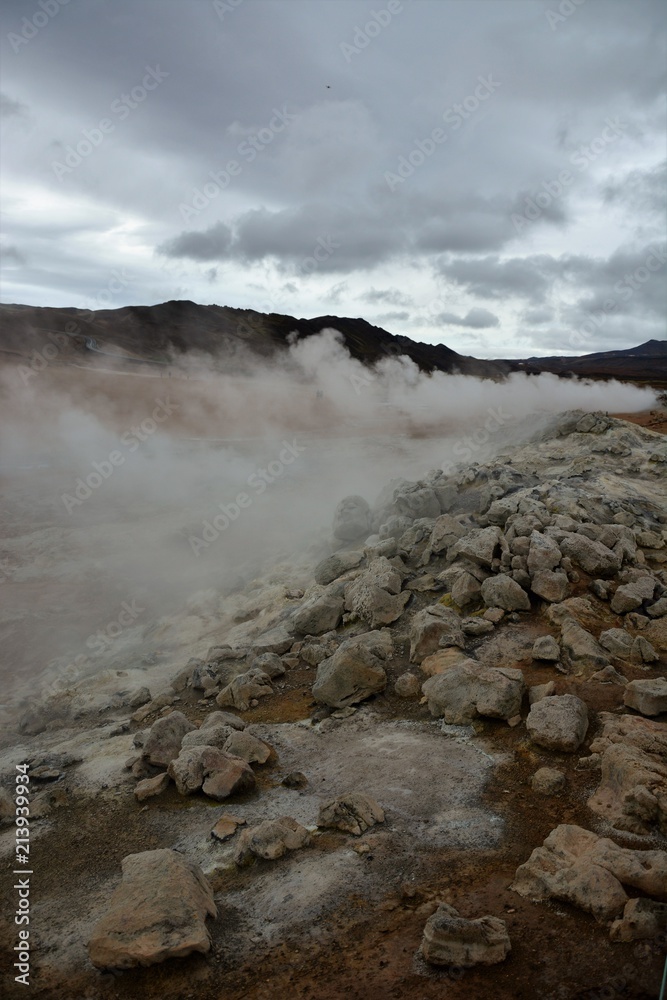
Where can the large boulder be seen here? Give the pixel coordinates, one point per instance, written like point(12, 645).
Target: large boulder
point(446, 532)
point(580, 647)
point(158, 912)
point(467, 689)
point(543, 554)
point(216, 773)
point(588, 871)
point(433, 628)
point(590, 555)
point(632, 794)
point(352, 519)
point(502, 591)
point(321, 613)
point(648, 695)
point(450, 939)
point(355, 671)
point(558, 723)
point(163, 742)
point(353, 813)
point(375, 595)
point(481, 545)
point(553, 587)
point(334, 566)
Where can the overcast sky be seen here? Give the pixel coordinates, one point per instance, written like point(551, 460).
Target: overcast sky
point(489, 174)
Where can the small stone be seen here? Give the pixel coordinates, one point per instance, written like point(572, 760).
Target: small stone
point(226, 826)
point(150, 787)
point(546, 648)
point(450, 939)
point(547, 781)
point(407, 685)
point(647, 696)
point(354, 813)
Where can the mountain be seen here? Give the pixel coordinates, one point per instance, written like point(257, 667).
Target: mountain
point(155, 334)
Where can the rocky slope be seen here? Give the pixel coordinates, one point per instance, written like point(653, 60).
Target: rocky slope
point(429, 757)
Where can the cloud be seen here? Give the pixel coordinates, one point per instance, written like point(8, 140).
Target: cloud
point(477, 319)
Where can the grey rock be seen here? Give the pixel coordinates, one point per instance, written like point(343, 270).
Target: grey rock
point(450, 939)
point(271, 840)
point(544, 553)
point(355, 671)
point(334, 566)
point(244, 688)
point(546, 648)
point(352, 519)
point(551, 586)
point(503, 592)
point(433, 628)
point(158, 912)
point(163, 742)
point(648, 696)
point(547, 781)
point(558, 723)
point(321, 613)
point(591, 556)
point(353, 813)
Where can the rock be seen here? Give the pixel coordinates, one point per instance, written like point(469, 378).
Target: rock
point(539, 691)
point(503, 592)
point(446, 532)
point(642, 920)
point(659, 609)
point(632, 794)
point(207, 736)
point(647, 696)
point(479, 546)
point(270, 840)
point(546, 648)
point(616, 641)
point(467, 689)
point(319, 614)
point(493, 615)
point(416, 501)
point(588, 871)
point(407, 685)
point(158, 912)
point(642, 651)
point(476, 626)
point(164, 739)
point(609, 676)
point(373, 603)
point(295, 779)
point(355, 671)
point(632, 595)
point(244, 687)
point(558, 723)
point(543, 554)
point(591, 556)
point(276, 640)
point(228, 777)
point(433, 628)
point(352, 519)
point(353, 813)
point(551, 586)
point(211, 769)
point(270, 664)
point(547, 781)
point(150, 787)
point(334, 566)
point(222, 719)
point(580, 648)
point(248, 748)
point(466, 590)
point(450, 939)
point(226, 826)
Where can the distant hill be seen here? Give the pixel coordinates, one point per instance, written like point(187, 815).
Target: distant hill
point(647, 362)
point(153, 335)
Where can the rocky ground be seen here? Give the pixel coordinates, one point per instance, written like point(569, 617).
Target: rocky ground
point(430, 761)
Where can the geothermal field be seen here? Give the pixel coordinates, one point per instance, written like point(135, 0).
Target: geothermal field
point(333, 680)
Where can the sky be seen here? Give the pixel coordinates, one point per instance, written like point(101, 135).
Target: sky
point(487, 174)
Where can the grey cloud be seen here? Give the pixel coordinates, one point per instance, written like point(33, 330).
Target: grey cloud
point(476, 318)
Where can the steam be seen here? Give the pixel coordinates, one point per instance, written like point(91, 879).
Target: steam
point(151, 487)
